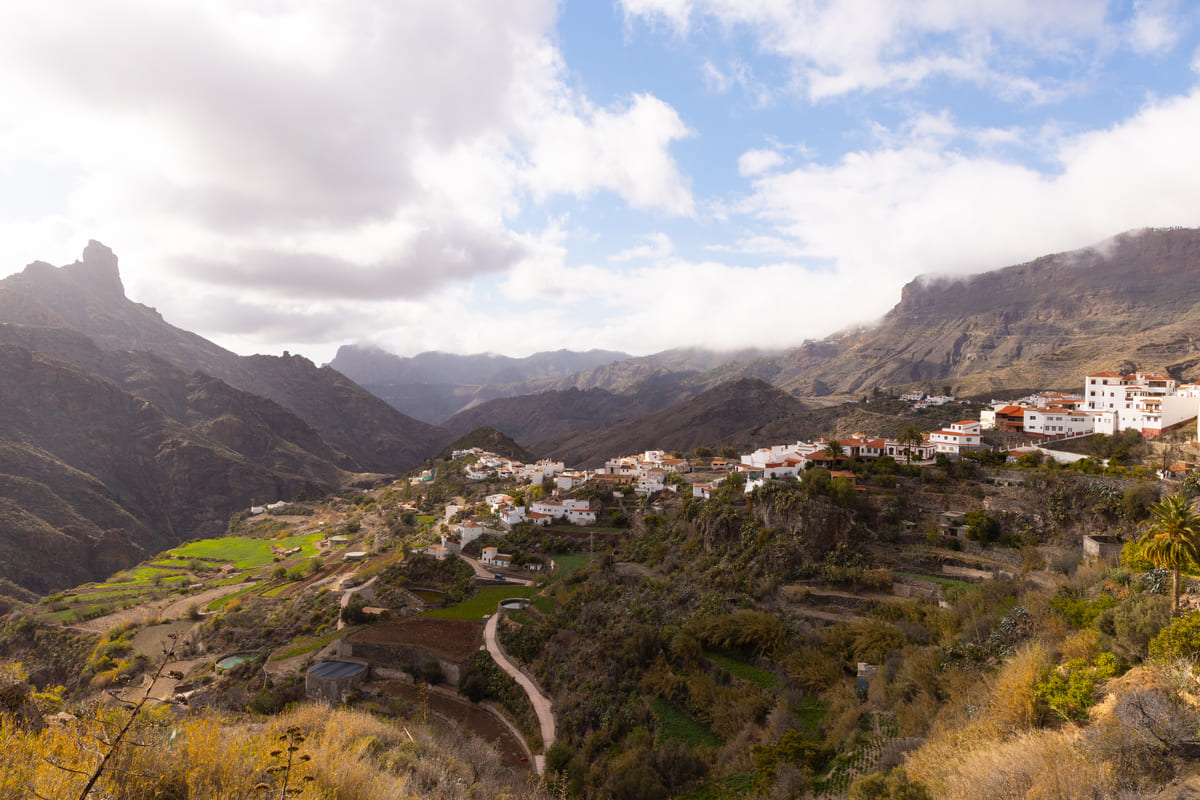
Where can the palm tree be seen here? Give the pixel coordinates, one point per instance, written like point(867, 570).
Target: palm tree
point(909, 436)
point(834, 450)
point(1172, 538)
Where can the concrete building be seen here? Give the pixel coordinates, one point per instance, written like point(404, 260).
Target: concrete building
point(333, 681)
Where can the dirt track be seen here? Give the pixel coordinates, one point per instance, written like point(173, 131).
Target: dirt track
point(166, 609)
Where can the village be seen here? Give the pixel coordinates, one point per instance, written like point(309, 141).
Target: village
point(514, 532)
point(1109, 403)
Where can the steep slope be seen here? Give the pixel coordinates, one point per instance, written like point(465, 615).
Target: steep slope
point(1131, 301)
point(93, 477)
point(559, 414)
point(88, 297)
point(545, 415)
point(707, 419)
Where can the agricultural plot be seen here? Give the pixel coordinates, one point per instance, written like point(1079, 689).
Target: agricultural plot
point(482, 602)
point(674, 724)
point(861, 758)
point(247, 553)
point(767, 681)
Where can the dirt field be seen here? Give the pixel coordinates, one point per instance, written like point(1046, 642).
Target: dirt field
point(453, 638)
point(470, 717)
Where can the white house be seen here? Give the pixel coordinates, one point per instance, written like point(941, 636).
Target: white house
point(494, 501)
point(582, 515)
point(1051, 421)
point(566, 481)
point(1148, 403)
point(541, 520)
point(511, 515)
point(494, 558)
point(549, 506)
point(961, 437)
point(468, 532)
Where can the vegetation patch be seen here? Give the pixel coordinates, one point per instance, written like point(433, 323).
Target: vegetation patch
point(245, 552)
point(674, 724)
point(767, 681)
point(484, 601)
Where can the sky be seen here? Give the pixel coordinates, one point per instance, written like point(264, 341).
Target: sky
point(477, 176)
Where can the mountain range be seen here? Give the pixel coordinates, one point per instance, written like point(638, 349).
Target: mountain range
point(1130, 302)
point(121, 434)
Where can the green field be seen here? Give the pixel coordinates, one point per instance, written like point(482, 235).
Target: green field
point(220, 602)
point(144, 574)
point(674, 724)
point(483, 602)
point(570, 562)
point(731, 787)
point(246, 553)
point(767, 681)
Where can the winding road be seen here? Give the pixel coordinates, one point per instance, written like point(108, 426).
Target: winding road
point(541, 703)
point(483, 572)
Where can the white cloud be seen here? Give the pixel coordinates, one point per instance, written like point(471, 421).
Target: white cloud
point(882, 216)
point(863, 45)
point(756, 162)
point(1154, 27)
point(658, 247)
point(367, 151)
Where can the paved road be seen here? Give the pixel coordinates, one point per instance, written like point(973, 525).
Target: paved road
point(541, 703)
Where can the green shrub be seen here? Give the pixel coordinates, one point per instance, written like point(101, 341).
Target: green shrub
point(1180, 639)
point(1069, 690)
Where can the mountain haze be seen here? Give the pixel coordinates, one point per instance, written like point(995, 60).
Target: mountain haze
point(121, 435)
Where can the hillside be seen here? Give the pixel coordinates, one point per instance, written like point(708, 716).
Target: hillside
point(711, 417)
point(493, 441)
point(92, 476)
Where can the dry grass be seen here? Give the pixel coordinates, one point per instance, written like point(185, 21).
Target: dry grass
point(353, 756)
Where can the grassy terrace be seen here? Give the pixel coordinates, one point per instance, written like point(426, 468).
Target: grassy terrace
point(731, 787)
point(767, 681)
point(244, 552)
point(482, 602)
point(935, 579)
point(674, 724)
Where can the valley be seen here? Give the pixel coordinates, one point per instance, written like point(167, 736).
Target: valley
point(811, 574)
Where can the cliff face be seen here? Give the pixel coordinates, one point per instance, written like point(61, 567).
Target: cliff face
point(121, 435)
point(1134, 300)
point(94, 478)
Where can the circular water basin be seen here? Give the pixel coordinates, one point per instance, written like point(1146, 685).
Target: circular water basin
point(515, 604)
point(229, 662)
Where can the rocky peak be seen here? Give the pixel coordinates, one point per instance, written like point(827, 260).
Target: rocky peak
point(97, 270)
